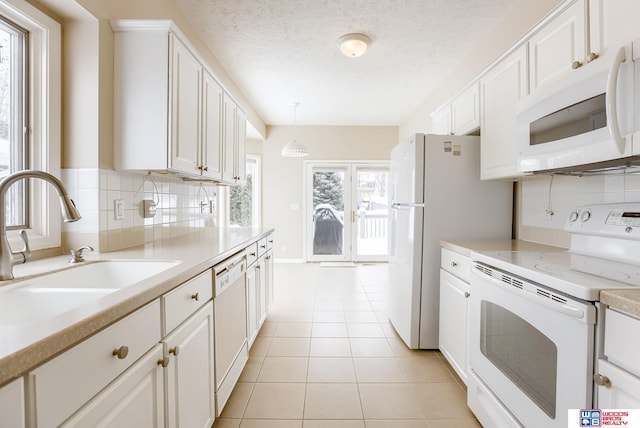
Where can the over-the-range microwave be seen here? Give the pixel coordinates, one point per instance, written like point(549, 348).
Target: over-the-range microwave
point(586, 121)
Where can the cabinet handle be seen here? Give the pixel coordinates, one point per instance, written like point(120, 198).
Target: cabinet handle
point(467, 294)
point(601, 380)
point(175, 351)
point(592, 56)
point(252, 254)
point(576, 64)
point(164, 362)
point(270, 241)
point(263, 246)
point(454, 264)
point(196, 296)
point(121, 352)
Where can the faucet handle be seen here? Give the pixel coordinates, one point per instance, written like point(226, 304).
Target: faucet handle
point(26, 250)
point(76, 255)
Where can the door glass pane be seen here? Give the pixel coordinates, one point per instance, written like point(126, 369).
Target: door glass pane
point(522, 353)
point(328, 212)
point(372, 211)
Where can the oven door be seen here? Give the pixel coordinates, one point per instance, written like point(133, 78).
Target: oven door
point(531, 347)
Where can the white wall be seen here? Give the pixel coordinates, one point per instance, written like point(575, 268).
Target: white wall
point(283, 177)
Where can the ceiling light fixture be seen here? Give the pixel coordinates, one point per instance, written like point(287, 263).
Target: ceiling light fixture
point(294, 149)
point(354, 45)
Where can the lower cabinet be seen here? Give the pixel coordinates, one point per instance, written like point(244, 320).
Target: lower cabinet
point(252, 303)
point(190, 372)
point(454, 311)
point(135, 399)
point(270, 285)
point(12, 410)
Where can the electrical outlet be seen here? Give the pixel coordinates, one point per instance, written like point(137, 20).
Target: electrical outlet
point(284, 248)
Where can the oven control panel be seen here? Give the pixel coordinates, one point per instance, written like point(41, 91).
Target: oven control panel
point(604, 219)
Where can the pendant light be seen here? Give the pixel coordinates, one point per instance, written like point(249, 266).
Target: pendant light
point(294, 149)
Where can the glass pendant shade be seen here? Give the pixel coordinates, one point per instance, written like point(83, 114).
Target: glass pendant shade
point(294, 149)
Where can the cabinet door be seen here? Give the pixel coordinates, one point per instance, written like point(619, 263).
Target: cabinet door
point(465, 111)
point(240, 145)
point(12, 410)
point(270, 286)
point(229, 132)
point(454, 304)
point(135, 399)
point(500, 89)
point(252, 304)
point(622, 391)
point(211, 128)
point(556, 47)
point(262, 291)
point(441, 120)
point(190, 375)
point(612, 24)
point(185, 80)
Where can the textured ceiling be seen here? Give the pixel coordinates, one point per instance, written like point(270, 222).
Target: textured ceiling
point(284, 51)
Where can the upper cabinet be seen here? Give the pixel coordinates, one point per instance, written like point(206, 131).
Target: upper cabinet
point(170, 113)
point(500, 90)
point(460, 116)
point(560, 46)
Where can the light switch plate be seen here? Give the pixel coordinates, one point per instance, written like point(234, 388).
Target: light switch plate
point(118, 209)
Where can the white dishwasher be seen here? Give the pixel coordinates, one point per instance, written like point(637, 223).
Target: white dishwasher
point(230, 314)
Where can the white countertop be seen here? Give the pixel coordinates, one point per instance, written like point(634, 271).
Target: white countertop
point(25, 346)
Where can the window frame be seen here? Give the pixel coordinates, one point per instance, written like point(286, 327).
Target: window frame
point(225, 195)
point(43, 136)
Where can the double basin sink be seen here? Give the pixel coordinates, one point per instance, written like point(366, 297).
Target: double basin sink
point(46, 296)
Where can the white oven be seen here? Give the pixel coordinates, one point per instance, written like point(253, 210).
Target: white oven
point(528, 346)
point(533, 323)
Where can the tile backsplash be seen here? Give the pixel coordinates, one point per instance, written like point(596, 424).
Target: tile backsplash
point(561, 193)
point(181, 207)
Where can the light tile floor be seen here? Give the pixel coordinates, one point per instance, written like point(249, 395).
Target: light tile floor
point(327, 357)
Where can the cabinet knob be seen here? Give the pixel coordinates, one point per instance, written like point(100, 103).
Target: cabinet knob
point(467, 294)
point(263, 246)
point(592, 56)
point(601, 380)
point(196, 296)
point(206, 168)
point(252, 254)
point(576, 64)
point(175, 351)
point(121, 352)
point(454, 264)
point(164, 362)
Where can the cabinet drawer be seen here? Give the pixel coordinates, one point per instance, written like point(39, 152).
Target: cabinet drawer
point(252, 254)
point(180, 303)
point(620, 345)
point(456, 264)
point(262, 247)
point(88, 367)
point(269, 242)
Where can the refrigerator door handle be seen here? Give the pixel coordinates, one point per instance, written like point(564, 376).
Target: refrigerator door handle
point(405, 206)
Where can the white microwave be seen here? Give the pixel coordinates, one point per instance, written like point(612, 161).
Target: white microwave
point(585, 121)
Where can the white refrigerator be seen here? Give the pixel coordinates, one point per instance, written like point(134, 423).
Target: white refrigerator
point(436, 194)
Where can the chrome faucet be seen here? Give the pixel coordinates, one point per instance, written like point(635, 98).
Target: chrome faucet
point(8, 257)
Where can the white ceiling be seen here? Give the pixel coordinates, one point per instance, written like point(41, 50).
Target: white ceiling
point(284, 51)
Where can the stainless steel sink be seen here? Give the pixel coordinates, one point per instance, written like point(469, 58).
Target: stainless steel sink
point(48, 295)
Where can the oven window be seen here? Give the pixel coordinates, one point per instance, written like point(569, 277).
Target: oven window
point(585, 116)
point(522, 353)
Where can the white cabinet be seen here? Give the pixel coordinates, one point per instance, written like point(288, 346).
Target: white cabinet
point(441, 120)
point(190, 372)
point(252, 303)
point(135, 399)
point(268, 275)
point(12, 409)
point(234, 147)
point(460, 116)
point(88, 367)
point(454, 311)
point(500, 89)
point(170, 114)
point(618, 370)
point(613, 23)
point(559, 47)
point(465, 111)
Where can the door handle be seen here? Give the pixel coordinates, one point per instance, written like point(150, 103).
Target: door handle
point(353, 216)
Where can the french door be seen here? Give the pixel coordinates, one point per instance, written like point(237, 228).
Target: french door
point(347, 211)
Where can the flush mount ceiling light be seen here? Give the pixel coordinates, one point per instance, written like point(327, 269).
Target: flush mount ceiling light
point(353, 45)
point(294, 149)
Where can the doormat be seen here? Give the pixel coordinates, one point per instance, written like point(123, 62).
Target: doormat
point(337, 264)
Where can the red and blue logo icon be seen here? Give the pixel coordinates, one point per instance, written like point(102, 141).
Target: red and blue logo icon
point(590, 417)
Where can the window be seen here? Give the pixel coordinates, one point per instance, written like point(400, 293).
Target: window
point(244, 201)
point(13, 120)
point(30, 119)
